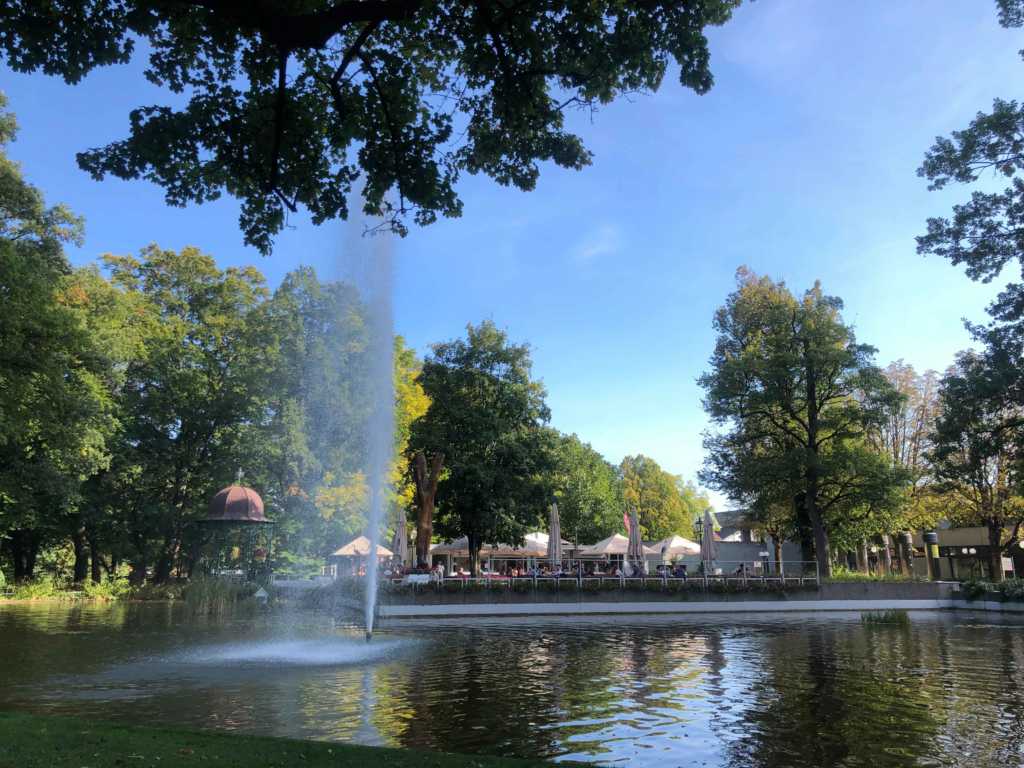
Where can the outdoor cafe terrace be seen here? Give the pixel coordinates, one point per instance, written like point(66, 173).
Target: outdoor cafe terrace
point(605, 563)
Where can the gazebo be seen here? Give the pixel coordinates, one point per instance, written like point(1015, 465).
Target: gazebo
point(236, 536)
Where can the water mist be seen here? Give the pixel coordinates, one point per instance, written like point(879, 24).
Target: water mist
point(376, 290)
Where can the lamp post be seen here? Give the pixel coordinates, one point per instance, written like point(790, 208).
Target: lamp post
point(931, 550)
point(699, 526)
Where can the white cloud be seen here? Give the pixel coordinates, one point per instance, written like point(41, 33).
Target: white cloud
point(602, 241)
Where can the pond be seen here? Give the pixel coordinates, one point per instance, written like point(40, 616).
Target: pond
point(702, 690)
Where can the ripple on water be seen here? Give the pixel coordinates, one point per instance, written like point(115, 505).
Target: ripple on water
point(795, 691)
point(330, 652)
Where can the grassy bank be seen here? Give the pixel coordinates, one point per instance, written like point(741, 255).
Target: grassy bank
point(30, 741)
point(108, 590)
point(204, 594)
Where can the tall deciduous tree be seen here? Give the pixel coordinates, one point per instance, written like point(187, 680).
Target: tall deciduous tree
point(189, 401)
point(799, 395)
point(904, 435)
point(290, 103)
point(656, 495)
point(587, 490)
point(309, 457)
point(486, 417)
point(986, 232)
point(411, 402)
point(976, 450)
point(55, 407)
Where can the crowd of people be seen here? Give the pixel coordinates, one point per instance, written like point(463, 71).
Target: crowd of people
point(516, 569)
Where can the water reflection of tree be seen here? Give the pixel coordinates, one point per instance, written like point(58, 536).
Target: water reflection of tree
point(547, 691)
point(829, 696)
point(984, 702)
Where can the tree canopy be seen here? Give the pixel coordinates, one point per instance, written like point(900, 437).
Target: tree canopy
point(55, 406)
point(986, 232)
point(587, 489)
point(292, 104)
point(665, 505)
point(975, 450)
point(487, 415)
point(798, 397)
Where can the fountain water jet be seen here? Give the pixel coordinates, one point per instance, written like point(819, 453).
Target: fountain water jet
point(380, 438)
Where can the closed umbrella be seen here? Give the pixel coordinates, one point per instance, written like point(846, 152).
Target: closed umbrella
point(707, 541)
point(636, 544)
point(554, 537)
point(400, 543)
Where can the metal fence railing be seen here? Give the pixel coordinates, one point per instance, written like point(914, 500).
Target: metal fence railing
point(800, 574)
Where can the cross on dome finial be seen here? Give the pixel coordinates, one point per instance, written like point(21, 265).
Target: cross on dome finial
point(239, 476)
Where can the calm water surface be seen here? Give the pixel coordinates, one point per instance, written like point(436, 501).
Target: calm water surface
point(800, 690)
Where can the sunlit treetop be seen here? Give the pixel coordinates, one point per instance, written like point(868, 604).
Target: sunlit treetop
point(295, 103)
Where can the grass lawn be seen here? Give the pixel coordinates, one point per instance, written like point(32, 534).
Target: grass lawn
point(31, 741)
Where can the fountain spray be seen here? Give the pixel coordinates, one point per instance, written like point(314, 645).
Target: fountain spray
point(380, 439)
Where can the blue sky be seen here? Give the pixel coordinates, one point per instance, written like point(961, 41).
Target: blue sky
point(800, 163)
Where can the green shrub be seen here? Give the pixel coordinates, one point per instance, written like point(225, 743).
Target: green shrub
point(975, 589)
point(596, 584)
point(653, 585)
point(452, 586)
point(1012, 589)
point(842, 574)
point(522, 586)
point(212, 595)
point(890, 618)
point(154, 592)
point(547, 585)
point(107, 590)
point(42, 588)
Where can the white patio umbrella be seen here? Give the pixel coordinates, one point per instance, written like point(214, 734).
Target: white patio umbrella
point(676, 546)
point(636, 544)
point(554, 536)
point(400, 542)
point(707, 541)
point(616, 544)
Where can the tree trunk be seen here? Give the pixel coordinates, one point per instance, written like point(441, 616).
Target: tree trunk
point(863, 565)
point(904, 553)
point(995, 552)
point(18, 556)
point(30, 556)
point(24, 548)
point(803, 526)
point(821, 550)
point(81, 554)
point(777, 547)
point(426, 479)
point(886, 555)
point(136, 578)
point(474, 555)
point(164, 565)
point(95, 561)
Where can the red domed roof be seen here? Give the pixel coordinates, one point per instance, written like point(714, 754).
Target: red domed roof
point(237, 504)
